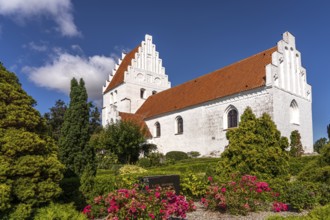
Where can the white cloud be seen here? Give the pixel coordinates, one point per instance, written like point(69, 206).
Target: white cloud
point(59, 10)
point(37, 47)
point(58, 73)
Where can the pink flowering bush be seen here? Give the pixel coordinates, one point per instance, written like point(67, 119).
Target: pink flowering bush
point(240, 196)
point(139, 204)
point(279, 207)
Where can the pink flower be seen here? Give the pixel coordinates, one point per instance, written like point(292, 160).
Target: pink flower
point(151, 215)
point(246, 206)
point(157, 194)
point(223, 189)
point(210, 179)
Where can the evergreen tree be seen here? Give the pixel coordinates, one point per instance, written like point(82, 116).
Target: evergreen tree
point(319, 144)
point(29, 169)
point(296, 148)
point(255, 147)
point(55, 119)
point(94, 119)
point(75, 152)
point(328, 131)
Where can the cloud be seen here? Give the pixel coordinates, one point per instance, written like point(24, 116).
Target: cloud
point(58, 10)
point(58, 73)
point(37, 47)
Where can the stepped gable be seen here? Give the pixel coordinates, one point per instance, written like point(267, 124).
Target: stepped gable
point(118, 78)
point(138, 119)
point(247, 74)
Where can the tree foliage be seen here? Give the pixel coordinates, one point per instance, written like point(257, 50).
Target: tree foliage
point(296, 148)
point(319, 144)
point(125, 139)
point(94, 119)
point(55, 119)
point(29, 169)
point(328, 131)
point(75, 151)
point(256, 147)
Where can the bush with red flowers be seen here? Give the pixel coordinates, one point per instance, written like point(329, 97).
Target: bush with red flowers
point(240, 196)
point(135, 203)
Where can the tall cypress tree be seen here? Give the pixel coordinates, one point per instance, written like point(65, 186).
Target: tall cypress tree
point(29, 169)
point(296, 148)
point(75, 152)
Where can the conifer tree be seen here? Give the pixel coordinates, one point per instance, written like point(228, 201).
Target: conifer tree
point(55, 119)
point(75, 152)
point(255, 147)
point(328, 131)
point(296, 148)
point(29, 169)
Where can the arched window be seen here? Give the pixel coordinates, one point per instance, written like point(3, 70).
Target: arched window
point(232, 118)
point(294, 112)
point(179, 125)
point(154, 92)
point(142, 93)
point(157, 129)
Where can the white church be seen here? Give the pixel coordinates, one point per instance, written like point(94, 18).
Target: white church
point(195, 115)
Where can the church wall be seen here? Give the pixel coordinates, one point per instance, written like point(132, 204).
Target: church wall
point(203, 124)
point(282, 117)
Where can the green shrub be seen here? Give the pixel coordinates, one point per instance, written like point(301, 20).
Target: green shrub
point(131, 169)
point(255, 147)
point(56, 211)
point(144, 162)
point(193, 185)
point(71, 192)
point(318, 170)
point(297, 164)
point(176, 155)
point(300, 195)
point(193, 154)
point(320, 213)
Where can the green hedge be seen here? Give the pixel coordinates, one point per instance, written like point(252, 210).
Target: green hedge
point(56, 211)
point(176, 155)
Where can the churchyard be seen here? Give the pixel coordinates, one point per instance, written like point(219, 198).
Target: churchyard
point(64, 165)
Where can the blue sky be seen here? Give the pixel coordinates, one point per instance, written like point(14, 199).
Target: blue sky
point(46, 43)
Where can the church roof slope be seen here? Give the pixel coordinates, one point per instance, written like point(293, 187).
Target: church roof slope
point(118, 78)
point(138, 120)
point(249, 73)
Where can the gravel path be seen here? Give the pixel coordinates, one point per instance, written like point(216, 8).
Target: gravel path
point(202, 214)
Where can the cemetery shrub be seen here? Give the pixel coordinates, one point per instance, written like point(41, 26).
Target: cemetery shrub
point(144, 162)
point(131, 169)
point(58, 211)
point(176, 155)
point(256, 147)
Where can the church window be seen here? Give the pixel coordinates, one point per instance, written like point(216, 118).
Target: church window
point(179, 125)
point(142, 93)
point(294, 112)
point(157, 129)
point(154, 92)
point(115, 96)
point(232, 118)
point(111, 98)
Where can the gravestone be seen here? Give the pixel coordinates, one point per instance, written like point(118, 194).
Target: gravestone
point(166, 181)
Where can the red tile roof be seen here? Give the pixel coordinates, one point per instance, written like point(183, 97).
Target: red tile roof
point(118, 78)
point(138, 120)
point(246, 74)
